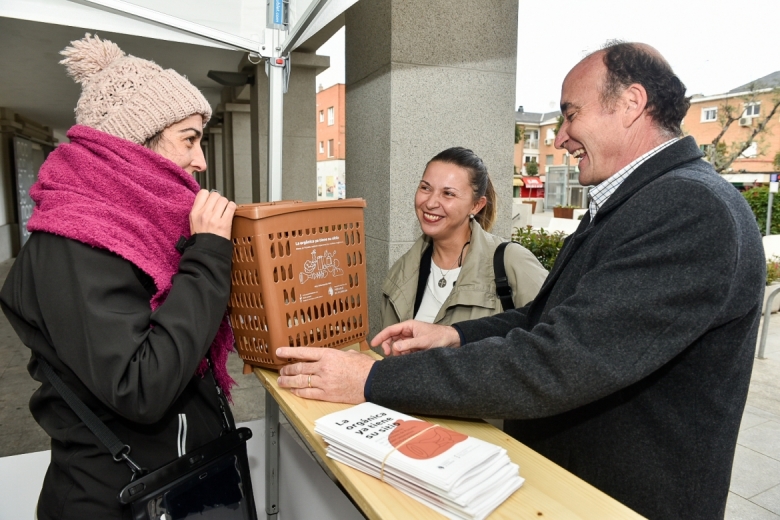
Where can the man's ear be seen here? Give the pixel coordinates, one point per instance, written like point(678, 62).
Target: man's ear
point(634, 103)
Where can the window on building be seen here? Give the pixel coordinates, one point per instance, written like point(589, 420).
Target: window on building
point(330, 147)
point(563, 158)
point(322, 116)
point(530, 158)
point(322, 146)
point(751, 151)
point(709, 114)
point(531, 139)
point(548, 159)
point(330, 116)
point(752, 109)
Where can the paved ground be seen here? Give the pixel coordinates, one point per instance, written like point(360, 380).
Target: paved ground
point(755, 481)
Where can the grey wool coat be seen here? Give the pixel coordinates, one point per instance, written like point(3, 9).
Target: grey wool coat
point(631, 367)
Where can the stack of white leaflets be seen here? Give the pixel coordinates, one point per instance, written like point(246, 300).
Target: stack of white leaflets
point(457, 475)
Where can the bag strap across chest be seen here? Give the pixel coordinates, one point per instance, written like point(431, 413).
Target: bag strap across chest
point(503, 289)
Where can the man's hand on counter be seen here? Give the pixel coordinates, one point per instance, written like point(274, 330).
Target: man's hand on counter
point(325, 374)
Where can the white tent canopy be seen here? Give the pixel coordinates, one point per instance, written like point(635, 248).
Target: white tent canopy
point(228, 23)
point(237, 24)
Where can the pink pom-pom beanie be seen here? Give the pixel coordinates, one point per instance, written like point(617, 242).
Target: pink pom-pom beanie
point(125, 96)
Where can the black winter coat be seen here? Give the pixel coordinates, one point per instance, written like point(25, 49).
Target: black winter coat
point(87, 312)
point(631, 367)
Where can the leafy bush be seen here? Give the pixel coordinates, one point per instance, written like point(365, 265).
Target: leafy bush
point(545, 246)
point(758, 198)
point(773, 270)
point(532, 168)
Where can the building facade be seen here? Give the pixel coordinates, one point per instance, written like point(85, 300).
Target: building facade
point(536, 132)
point(331, 142)
point(752, 102)
point(705, 119)
point(537, 138)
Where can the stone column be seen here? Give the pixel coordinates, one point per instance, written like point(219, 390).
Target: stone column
point(236, 158)
point(422, 77)
point(241, 151)
point(9, 228)
point(227, 153)
point(299, 154)
point(214, 172)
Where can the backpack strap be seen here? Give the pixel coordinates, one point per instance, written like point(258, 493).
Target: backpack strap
point(422, 278)
point(503, 289)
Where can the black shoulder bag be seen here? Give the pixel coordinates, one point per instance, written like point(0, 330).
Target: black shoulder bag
point(213, 480)
point(503, 289)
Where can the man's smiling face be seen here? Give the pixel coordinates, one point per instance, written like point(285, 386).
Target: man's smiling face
point(590, 132)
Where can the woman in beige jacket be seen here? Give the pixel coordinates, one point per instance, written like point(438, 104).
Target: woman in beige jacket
point(447, 276)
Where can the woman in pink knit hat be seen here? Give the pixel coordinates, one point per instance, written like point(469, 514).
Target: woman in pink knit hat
point(124, 282)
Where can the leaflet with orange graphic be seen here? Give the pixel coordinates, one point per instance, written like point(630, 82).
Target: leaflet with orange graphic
point(458, 475)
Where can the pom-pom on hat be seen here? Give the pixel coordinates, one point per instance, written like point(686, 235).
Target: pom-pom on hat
point(125, 96)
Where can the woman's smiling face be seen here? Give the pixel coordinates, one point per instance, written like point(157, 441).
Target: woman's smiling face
point(444, 200)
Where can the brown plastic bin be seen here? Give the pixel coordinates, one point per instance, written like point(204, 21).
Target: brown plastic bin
point(299, 278)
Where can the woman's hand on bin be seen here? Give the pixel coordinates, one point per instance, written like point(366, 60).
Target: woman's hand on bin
point(325, 374)
point(412, 336)
point(212, 213)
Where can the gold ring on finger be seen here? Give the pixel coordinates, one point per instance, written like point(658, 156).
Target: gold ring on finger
point(309, 380)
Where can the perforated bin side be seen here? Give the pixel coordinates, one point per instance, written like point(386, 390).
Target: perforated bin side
point(247, 310)
point(335, 315)
point(310, 265)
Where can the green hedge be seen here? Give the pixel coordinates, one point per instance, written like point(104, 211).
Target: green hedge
point(545, 246)
point(758, 198)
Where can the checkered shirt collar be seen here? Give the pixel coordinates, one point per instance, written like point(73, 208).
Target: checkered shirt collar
point(601, 193)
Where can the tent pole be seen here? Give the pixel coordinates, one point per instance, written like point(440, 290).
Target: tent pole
point(275, 123)
point(278, 72)
point(300, 27)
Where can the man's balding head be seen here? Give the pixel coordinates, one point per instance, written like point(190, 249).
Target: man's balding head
point(618, 104)
point(628, 63)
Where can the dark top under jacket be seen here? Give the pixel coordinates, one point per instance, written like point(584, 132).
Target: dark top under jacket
point(631, 367)
point(87, 312)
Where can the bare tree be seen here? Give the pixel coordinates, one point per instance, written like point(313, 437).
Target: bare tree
point(721, 154)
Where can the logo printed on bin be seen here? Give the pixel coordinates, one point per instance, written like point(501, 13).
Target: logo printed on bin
point(320, 266)
point(306, 244)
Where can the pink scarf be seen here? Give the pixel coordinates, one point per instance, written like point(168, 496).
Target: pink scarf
point(113, 194)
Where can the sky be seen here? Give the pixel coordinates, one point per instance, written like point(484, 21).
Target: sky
point(712, 45)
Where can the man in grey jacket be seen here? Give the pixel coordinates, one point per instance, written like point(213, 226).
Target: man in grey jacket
point(631, 367)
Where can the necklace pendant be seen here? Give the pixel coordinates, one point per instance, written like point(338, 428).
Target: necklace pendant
point(442, 282)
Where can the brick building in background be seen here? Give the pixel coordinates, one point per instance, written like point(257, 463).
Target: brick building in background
point(755, 100)
point(536, 145)
point(537, 135)
point(331, 153)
